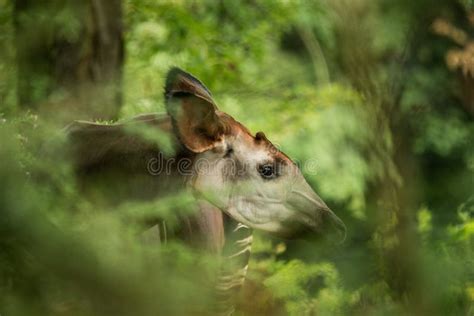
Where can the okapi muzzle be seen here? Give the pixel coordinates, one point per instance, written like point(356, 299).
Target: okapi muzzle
point(243, 175)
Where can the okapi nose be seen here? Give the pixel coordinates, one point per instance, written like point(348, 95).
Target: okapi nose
point(321, 219)
point(334, 227)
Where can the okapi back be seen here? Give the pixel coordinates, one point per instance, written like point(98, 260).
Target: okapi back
point(112, 165)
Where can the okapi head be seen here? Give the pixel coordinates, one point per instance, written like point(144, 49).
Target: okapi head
point(245, 176)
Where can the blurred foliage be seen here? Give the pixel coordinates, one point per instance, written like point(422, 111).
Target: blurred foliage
point(358, 93)
point(7, 67)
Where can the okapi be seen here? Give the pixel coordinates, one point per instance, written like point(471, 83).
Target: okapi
point(240, 181)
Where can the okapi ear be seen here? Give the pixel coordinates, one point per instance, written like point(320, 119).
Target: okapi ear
point(192, 110)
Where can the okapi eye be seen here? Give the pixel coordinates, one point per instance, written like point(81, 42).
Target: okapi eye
point(267, 171)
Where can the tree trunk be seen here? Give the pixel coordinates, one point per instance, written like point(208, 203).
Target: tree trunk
point(70, 56)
